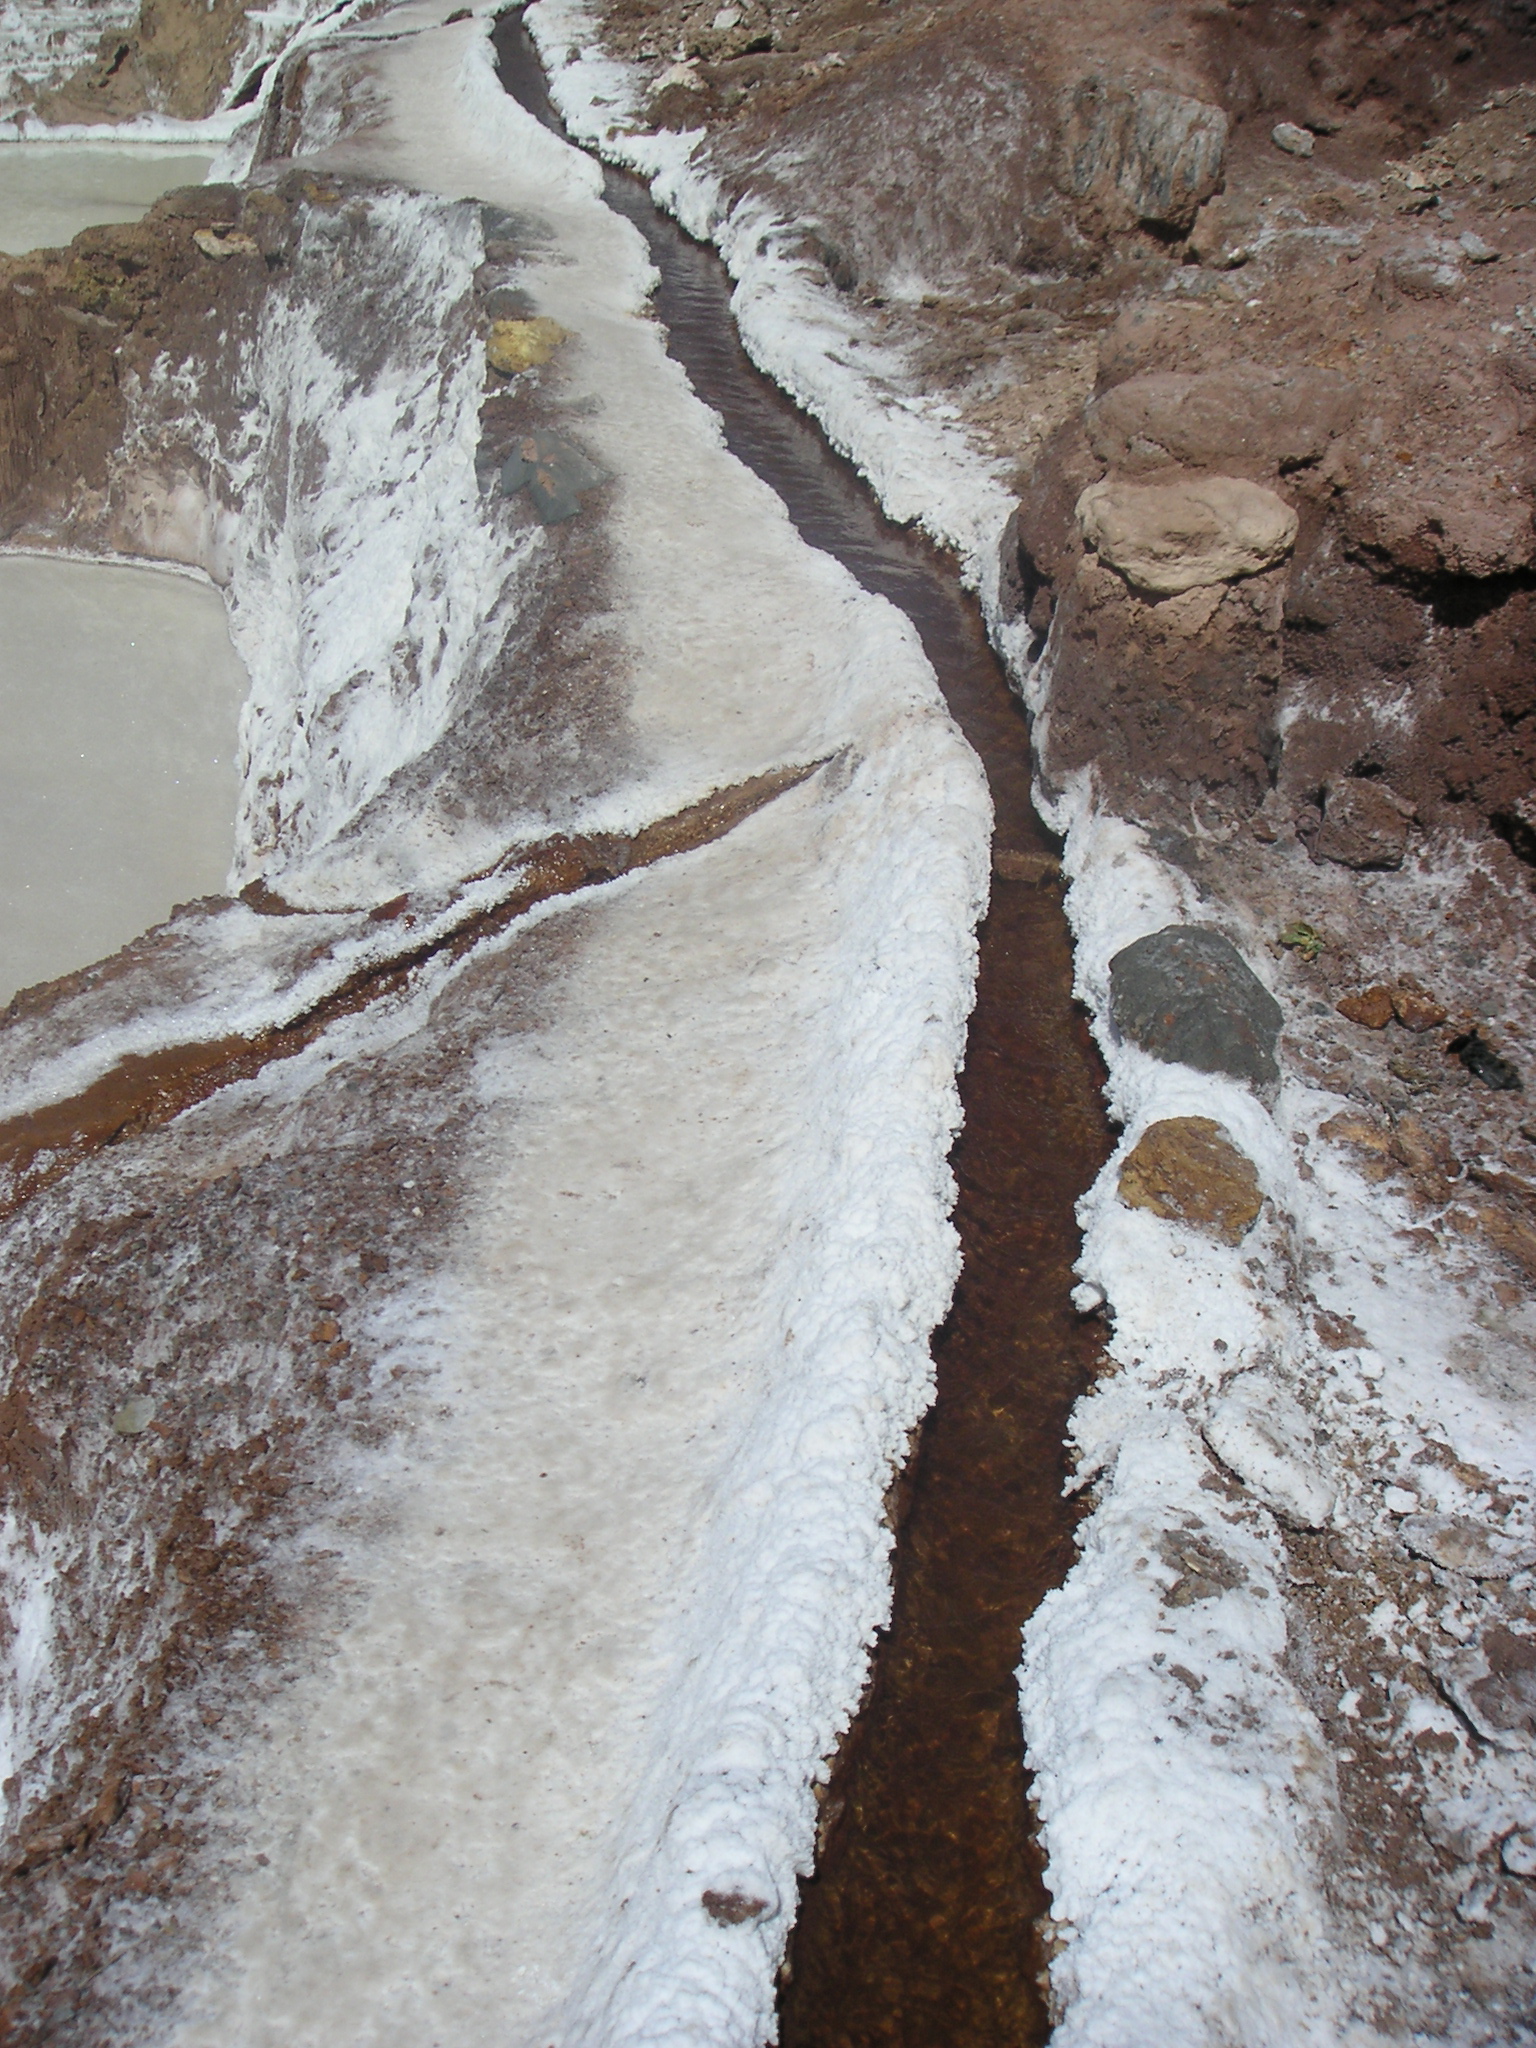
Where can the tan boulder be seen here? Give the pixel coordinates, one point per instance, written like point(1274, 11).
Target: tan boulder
point(1166, 538)
point(1187, 1170)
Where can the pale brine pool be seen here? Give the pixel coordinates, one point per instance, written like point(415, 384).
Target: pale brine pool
point(120, 698)
point(49, 191)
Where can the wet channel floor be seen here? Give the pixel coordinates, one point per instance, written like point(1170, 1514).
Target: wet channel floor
point(918, 1928)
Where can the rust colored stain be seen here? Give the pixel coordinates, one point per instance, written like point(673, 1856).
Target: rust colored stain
point(920, 1924)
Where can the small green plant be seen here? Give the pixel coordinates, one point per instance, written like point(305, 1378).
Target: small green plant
point(1302, 938)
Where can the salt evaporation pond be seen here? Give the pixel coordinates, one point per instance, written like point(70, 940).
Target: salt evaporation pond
point(120, 699)
point(49, 191)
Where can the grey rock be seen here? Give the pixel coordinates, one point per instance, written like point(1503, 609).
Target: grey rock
point(553, 473)
point(134, 1417)
point(1155, 156)
point(1186, 994)
point(1293, 140)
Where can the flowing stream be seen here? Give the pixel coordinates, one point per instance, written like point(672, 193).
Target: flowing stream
point(919, 1925)
point(49, 191)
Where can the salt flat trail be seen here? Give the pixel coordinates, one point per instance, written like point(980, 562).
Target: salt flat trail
point(609, 1604)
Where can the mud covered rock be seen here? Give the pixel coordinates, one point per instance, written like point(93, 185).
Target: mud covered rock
point(1443, 521)
point(1242, 416)
point(1406, 1000)
point(1493, 1682)
point(1169, 538)
point(1186, 1169)
point(1457, 1545)
point(1204, 1569)
point(1186, 994)
point(1371, 1007)
point(1142, 156)
point(1364, 825)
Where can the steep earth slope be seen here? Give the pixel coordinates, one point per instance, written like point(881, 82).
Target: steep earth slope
point(108, 61)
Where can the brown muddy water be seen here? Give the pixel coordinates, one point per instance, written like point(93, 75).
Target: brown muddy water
point(919, 1926)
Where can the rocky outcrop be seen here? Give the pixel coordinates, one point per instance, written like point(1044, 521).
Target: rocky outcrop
point(1151, 157)
point(183, 58)
point(80, 327)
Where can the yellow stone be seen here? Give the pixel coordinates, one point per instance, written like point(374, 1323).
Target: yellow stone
point(514, 345)
point(1187, 1170)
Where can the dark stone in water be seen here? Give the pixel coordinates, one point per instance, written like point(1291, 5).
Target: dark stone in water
point(553, 473)
point(1479, 1058)
point(1186, 994)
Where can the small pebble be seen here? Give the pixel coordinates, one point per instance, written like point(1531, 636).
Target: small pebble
point(1476, 250)
point(1293, 140)
point(134, 1417)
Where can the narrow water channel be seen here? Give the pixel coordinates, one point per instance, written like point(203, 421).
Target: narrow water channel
point(918, 1926)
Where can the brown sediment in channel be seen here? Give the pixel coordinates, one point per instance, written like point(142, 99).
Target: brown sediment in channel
point(144, 1091)
point(921, 1923)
